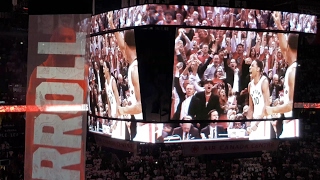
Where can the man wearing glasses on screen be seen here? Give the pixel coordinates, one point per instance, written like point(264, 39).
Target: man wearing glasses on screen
point(186, 131)
point(289, 49)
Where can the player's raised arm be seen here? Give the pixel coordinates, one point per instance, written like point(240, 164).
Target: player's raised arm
point(250, 110)
point(282, 39)
point(119, 38)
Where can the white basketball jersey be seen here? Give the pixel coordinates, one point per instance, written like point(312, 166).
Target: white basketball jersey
point(257, 97)
point(132, 97)
point(286, 87)
point(111, 97)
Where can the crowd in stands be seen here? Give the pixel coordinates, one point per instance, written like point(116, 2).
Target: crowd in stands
point(13, 69)
point(13, 22)
point(12, 128)
point(294, 159)
point(152, 14)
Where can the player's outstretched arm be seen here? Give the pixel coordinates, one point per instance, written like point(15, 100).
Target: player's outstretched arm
point(282, 39)
point(286, 107)
point(133, 108)
point(120, 40)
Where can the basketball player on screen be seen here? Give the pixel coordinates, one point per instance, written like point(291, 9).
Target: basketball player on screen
point(112, 94)
point(128, 48)
point(289, 49)
point(258, 100)
point(111, 91)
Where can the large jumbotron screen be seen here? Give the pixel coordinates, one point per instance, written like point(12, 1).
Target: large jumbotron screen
point(231, 78)
point(234, 68)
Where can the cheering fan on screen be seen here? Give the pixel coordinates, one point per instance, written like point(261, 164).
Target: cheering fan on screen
point(235, 73)
point(207, 101)
point(111, 91)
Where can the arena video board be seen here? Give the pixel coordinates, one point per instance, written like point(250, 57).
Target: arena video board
point(172, 132)
point(56, 97)
point(206, 16)
point(266, 45)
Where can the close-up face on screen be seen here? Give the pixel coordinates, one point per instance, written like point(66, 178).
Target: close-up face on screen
point(239, 74)
point(218, 74)
point(114, 89)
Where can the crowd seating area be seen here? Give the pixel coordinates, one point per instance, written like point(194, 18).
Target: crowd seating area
point(13, 69)
point(12, 128)
point(294, 159)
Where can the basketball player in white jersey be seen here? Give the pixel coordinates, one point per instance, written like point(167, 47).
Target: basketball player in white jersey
point(258, 99)
point(111, 91)
point(113, 101)
point(289, 48)
point(127, 46)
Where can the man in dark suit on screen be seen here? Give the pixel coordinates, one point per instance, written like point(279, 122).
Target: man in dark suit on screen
point(186, 131)
point(205, 102)
point(213, 130)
